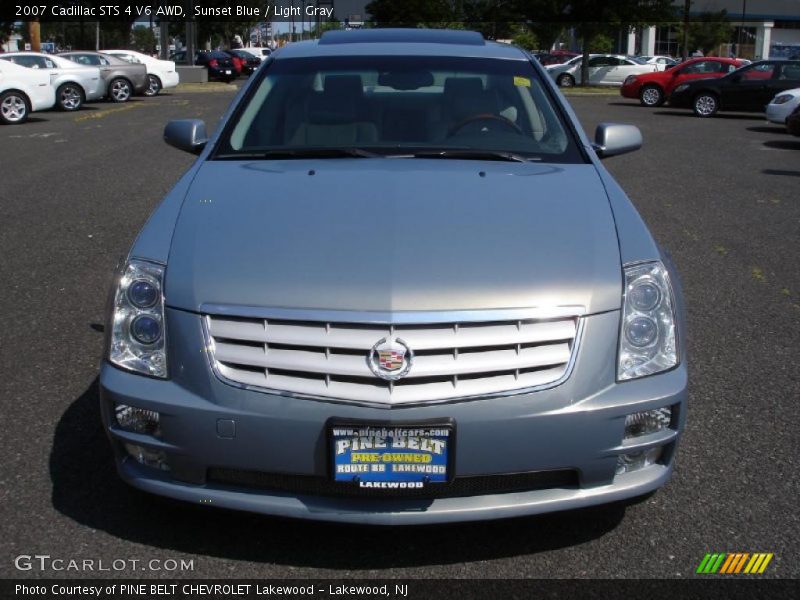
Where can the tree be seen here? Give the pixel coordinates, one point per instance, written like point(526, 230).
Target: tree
point(707, 32)
point(411, 13)
point(524, 38)
point(144, 40)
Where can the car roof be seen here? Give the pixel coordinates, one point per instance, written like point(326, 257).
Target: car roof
point(414, 42)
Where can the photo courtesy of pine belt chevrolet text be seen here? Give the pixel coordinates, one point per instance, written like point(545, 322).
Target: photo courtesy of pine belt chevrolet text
point(397, 286)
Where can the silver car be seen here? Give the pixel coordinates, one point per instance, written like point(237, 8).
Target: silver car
point(122, 79)
point(397, 286)
point(74, 84)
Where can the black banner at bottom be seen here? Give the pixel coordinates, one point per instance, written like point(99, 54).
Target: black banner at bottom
point(397, 589)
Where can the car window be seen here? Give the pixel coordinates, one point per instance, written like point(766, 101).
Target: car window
point(602, 61)
point(758, 72)
point(387, 103)
point(789, 72)
point(84, 59)
point(31, 62)
point(49, 64)
point(703, 66)
point(128, 58)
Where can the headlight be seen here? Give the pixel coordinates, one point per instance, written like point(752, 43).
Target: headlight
point(137, 340)
point(782, 99)
point(647, 341)
point(629, 79)
point(682, 87)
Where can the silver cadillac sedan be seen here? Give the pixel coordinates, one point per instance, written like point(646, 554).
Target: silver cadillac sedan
point(397, 286)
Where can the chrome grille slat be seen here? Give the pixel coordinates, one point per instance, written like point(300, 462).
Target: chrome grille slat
point(328, 360)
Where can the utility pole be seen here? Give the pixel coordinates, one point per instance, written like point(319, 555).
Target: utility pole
point(34, 33)
point(687, 5)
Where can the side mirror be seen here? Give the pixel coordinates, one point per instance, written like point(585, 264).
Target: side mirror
point(186, 134)
point(611, 139)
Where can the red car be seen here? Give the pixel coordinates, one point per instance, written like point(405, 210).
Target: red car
point(651, 89)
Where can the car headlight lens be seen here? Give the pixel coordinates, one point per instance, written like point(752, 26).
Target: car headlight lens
point(647, 339)
point(137, 341)
point(629, 79)
point(682, 87)
point(782, 99)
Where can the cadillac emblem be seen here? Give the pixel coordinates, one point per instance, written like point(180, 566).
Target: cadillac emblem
point(390, 358)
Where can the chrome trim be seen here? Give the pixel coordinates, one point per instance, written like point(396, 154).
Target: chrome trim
point(209, 352)
point(408, 317)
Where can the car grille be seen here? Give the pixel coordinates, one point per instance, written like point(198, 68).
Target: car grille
point(311, 485)
point(451, 360)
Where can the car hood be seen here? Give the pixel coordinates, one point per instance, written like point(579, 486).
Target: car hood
point(394, 235)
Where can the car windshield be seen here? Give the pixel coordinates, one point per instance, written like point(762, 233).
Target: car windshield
point(399, 105)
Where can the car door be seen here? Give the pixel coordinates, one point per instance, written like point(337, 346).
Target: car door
point(600, 68)
point(626, 67)
point(749, 87)
point(786, 77)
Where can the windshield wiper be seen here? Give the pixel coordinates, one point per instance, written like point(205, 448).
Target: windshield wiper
point(474, 155)
point(299, 153)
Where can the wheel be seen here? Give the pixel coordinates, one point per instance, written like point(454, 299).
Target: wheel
point(565, 80)
point(69, 96)
point(705, 104)
point(120, 90)
point(651, 95)
point(14, 107)
point(153, 86)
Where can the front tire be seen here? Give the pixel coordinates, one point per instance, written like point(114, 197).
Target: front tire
point(705, 105)
point(70, 97)
point(120, 90)
point(565, 80)
point(651, 95)
point(153, 86)
point(14, 107)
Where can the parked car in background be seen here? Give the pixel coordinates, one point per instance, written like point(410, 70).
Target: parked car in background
point(604, 69)
point(218, 64)
point(74, 84)
point(161, 74)
point(258, 52)
point(446, 310)
point(662, 62)
point(652, 89)
point(122, 78)
point(783, 105)
point(748, 89)
point(793, 122)
point(23, 91)
point(248, 62)
point(557, 57)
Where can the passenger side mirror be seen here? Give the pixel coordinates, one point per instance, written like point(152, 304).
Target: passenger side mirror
point(612, 139)
point(188, 135)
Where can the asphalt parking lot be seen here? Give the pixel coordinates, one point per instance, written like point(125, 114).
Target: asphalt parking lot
point(723, 195)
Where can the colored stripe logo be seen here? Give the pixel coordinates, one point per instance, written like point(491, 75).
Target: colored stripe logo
point(734, 563)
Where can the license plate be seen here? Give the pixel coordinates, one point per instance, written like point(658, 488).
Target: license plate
point(391, 457)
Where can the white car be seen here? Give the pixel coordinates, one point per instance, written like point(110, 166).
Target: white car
point(662, 62)
point(23, 91)
point(782, 105)
point(74, 84)
point(161, 74)
point(260, 53)
point(604, 69)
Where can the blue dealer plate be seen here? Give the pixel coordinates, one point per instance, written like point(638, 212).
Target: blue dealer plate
point(389, 457)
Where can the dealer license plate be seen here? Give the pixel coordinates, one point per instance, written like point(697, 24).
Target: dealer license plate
point(391, 457)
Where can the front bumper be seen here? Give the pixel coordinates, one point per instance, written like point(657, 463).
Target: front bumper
point(630, 90)
point(777, 113)
point(577, 426)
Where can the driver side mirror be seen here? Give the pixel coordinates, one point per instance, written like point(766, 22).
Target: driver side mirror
point(188, 135)
point(612, 139)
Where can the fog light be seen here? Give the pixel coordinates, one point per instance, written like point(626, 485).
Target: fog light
point(647, 422)
point(137, 420)
point(637, 460)
point(147, 457)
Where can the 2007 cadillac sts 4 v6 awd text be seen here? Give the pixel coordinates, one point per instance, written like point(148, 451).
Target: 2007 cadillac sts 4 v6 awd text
point(397, 286)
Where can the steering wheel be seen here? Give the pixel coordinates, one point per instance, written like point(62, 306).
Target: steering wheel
point(484, 117)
